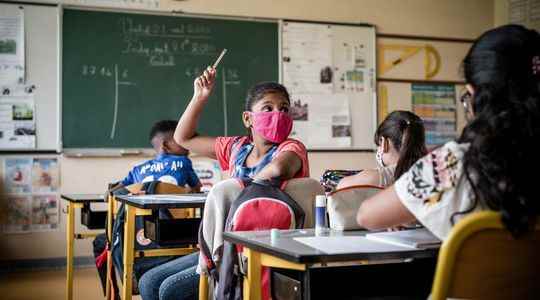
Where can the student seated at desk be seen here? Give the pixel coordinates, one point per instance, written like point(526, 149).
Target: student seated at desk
point(400, 141)
point(488, 167)
point(265, 153)
point(171, 165)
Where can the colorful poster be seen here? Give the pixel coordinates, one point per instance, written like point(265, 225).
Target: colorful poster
point(436, 105)
point(45, 175)
point(45, 211)
point(208, 172)
point(17, 175)
point(19, 214)
point(31, 189)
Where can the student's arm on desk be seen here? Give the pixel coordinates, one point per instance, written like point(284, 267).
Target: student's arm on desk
point(383, 210)
point(366, 177)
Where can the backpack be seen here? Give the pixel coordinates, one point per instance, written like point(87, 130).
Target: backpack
point(262, 205)
point(142, 264)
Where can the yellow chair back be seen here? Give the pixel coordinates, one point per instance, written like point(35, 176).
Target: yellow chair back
point(482, 260)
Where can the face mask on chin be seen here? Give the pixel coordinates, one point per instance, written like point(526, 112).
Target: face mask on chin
point(273, 126)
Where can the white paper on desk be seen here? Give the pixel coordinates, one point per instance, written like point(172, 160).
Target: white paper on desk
point(180, 198)
point(347, 244)
point(12, 49)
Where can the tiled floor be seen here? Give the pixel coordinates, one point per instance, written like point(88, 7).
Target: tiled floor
point(50, 285)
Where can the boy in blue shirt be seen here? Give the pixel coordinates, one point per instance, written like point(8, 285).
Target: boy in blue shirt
point(171, 164)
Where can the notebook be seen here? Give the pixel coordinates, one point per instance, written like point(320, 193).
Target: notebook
point(414, 238)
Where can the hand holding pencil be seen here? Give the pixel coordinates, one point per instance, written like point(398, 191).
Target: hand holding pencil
point(204, 84)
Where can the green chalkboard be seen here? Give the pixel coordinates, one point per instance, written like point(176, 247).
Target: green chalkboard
point(121, 72)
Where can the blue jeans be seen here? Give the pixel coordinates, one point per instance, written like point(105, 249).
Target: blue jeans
point(175, 279)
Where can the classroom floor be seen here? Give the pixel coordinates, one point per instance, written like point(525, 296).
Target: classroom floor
point(50, 285)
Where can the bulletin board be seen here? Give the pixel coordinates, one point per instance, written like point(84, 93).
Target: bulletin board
point(30, 107)
point(329, 70)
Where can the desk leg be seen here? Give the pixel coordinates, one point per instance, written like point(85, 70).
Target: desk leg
point(70, 230)
point(110, 208)
point(129, 239)
point(252, 281)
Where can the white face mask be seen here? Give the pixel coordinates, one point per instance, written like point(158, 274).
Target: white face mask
point(378, 157)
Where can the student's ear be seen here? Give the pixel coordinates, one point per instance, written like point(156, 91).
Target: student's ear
point(163, 147)
point(471, 90)
point(246, 118)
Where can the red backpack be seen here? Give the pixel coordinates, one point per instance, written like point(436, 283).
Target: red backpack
point(262, 205)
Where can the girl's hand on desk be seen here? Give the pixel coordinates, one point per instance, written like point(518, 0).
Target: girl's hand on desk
point(204, 84)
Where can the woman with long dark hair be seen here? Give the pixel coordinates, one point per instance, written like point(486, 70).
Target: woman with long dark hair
point(488, 167)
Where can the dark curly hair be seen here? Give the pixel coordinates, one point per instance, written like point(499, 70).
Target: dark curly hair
point(163, 127)
point(505, 125)
point(407, 133)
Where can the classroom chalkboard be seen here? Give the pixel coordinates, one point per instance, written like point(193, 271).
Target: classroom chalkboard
point(121, 72)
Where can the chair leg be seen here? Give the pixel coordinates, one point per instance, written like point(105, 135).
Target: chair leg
point(203, 287)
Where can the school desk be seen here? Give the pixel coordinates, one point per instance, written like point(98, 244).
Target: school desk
point(76, 201)
point(302, 272)
point(144, 205)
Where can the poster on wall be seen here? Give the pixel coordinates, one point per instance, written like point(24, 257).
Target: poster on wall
point(12, 49)
point(17, 175)
point(19, 214)
point(436, 105)
point(45, 177)
point(44, 212)
point(31, 187)
point(17, 120)
point(307, 58)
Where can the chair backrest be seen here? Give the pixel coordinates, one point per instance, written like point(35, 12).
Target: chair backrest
point(164, 188)
point(304, 191)
point(161, 188)
point(482, 260)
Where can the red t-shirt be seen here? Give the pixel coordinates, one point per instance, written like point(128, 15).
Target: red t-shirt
point(227, 147)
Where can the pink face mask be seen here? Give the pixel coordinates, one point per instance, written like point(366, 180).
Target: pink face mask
point(273, 126)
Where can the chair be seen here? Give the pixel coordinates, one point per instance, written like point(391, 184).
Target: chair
point(161, 188)
point(302, 190)
point(482, 260)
